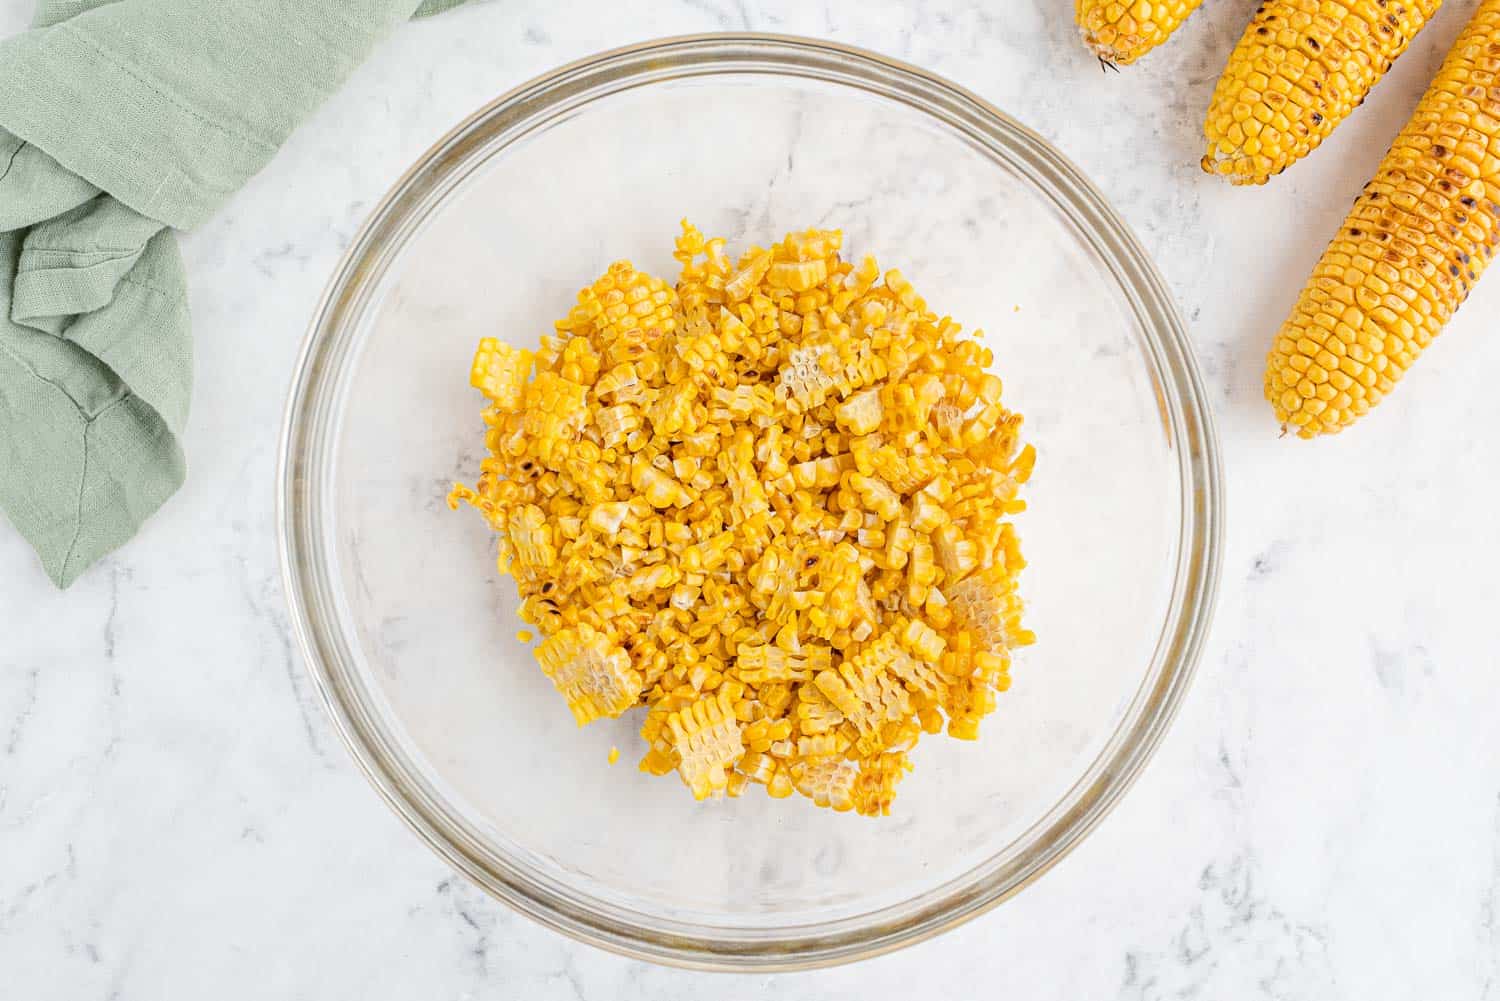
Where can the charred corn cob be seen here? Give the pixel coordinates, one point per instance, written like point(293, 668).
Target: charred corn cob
point(1121, 31)
point(1300, 68)
point(1417, 239)
point(770, 507)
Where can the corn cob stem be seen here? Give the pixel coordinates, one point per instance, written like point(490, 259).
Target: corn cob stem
point(1121, 31)
point(1414, 244)
point(1301, 67)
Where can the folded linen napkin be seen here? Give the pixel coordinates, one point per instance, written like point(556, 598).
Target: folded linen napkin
point(119, 122)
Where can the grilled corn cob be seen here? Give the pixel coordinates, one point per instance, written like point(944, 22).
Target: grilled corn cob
point(1300, 68)
point(1121, 31)
point(1408, 253)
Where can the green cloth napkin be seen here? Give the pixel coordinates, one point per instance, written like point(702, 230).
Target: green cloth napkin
point(120, 121)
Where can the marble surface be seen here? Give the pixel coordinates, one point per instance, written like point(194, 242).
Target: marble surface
point(178, 820)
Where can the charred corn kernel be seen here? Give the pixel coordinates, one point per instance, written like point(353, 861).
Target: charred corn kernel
point(1300, 68)
point(1419, 236)
point(1121, 31)
point(733, 503)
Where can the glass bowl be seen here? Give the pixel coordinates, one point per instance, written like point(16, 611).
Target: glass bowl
point(409, 631)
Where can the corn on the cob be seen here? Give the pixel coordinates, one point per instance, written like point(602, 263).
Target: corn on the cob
point(1299, 70)
point(1121, 31)
point(1417, 239)
point(739, 505)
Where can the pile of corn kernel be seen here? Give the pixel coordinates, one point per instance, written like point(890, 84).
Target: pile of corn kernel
point(770, 506)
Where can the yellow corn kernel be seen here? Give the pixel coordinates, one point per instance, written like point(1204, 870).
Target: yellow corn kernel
point(861, 413)
point(865, 695)
point(733, 503)
point(1417, 239)
point(799, 276)
point(499, 372)
point(875, 787)
point(827, 780)
point(1121, 31)
point(706, 737)
point(920, 640)
point(987, 606)
point(531, 538)
point(593, 674)
point(1301, 67)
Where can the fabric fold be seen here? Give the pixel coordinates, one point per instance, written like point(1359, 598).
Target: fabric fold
point(120, 121)
point(33, 186)
point(71, 264)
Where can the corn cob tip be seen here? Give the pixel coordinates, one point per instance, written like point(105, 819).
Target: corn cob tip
point(1119, 32)
point(1239, 171)
point(1109, 58)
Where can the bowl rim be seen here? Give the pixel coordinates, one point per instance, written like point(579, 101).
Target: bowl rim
point(1187, 418)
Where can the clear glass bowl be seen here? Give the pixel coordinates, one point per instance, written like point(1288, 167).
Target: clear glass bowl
point(410, 633)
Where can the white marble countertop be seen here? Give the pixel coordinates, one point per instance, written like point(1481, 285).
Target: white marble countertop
point(178, 820)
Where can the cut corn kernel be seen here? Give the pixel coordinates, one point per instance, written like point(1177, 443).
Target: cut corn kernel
point(828, 780)
point(770, 506)
point(706, 737)
point(499, 372)
point(591, 673)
